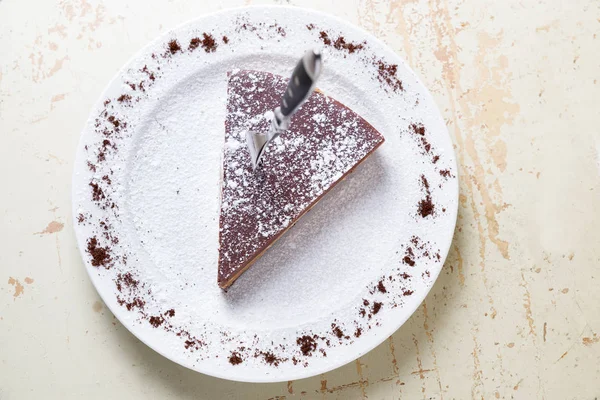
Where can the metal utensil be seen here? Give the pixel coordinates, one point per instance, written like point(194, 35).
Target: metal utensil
point(301, 85)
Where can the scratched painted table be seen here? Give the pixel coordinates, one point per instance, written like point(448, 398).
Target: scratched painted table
point(515, 312)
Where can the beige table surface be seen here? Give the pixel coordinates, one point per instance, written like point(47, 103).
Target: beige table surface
point(516, 310)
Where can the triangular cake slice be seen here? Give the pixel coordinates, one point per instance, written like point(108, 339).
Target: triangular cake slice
point(326, 141)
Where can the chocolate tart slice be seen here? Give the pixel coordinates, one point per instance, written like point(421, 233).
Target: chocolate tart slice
point(325, 142)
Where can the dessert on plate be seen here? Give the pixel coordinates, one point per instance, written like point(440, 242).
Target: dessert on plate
point(324, 143)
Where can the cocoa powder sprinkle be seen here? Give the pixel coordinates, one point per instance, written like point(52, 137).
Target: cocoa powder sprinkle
point(170, 313)
point(194, 43)
point(418, 129)
point(174, 46)
point(445, 173)
point(376, 307)
point(127, 280)
point(271, 359)
point(340, 43)
point(124, 98)
point(100, 255)
point(281, 31)
point(136, 302)
point(307, 344)
point(337, 331)
point(156, 321)
point(209, 43)
point(325, 38)
point(386, 73)
point(426, 207)
point(97, 192)
point(235, 358)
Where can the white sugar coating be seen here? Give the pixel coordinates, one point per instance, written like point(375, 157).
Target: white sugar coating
point(233, 145)
point(319, 117)
point(165, 185)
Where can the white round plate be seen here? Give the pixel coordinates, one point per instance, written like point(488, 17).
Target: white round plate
point(146, 203)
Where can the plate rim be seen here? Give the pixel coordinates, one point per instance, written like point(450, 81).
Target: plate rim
point(378, 338)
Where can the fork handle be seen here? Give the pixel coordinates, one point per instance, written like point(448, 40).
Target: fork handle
point(302, 83)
